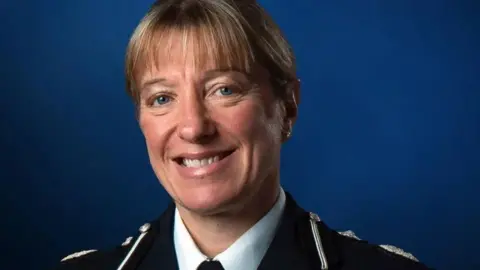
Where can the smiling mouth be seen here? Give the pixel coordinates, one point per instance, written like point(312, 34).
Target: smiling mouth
point(202, 162)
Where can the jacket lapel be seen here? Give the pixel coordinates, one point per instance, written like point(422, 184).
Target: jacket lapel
point(287, 250)
point(293, 246)
point(160, 254)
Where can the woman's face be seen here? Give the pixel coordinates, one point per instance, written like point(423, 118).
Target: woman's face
point(213, 136)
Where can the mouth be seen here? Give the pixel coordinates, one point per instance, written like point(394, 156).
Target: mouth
point(202, 160)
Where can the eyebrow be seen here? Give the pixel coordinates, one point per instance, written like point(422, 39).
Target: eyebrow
point(153, 81)
point(208, 75)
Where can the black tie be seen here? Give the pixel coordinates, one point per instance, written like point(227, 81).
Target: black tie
point(210, 265)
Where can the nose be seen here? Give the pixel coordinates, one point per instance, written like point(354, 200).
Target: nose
point(195, 126)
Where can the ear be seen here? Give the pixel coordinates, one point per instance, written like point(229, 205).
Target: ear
point(292, 100)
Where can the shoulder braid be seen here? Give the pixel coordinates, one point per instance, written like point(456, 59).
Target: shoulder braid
point(389, 248)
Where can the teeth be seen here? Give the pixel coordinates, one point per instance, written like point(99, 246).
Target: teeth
point(197, 163)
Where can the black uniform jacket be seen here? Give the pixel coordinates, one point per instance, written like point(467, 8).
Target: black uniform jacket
point(302, 242)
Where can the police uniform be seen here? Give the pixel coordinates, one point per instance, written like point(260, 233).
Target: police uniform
point(302, 242)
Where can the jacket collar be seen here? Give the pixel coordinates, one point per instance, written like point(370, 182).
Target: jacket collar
point(293, 246)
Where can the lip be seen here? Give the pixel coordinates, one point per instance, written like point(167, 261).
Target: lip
point(190, 172)
point(203, 154)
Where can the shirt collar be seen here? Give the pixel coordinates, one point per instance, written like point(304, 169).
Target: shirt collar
point(245, 253)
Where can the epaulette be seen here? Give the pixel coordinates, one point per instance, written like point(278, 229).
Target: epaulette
point(130, 244)
point(388, 248)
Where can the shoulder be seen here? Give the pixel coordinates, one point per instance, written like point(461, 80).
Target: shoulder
point(96, 259)
point(356, 251)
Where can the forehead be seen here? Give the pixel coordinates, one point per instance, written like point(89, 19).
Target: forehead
point(191, 52)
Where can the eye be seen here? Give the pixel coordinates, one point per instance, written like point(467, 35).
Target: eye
point(161, 100)
point(224, 91)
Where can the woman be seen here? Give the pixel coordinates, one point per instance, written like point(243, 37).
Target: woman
point(216, 92)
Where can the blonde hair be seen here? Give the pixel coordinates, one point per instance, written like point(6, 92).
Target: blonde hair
point(236, 34)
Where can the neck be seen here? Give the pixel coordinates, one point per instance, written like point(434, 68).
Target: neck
point(213, 234)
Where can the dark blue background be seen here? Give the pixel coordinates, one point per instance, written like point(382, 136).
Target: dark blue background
point(387, 143)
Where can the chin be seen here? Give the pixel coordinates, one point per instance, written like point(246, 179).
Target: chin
point(206, 203)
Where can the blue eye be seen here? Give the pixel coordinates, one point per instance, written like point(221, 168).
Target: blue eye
point(161, 100)
point(225, 91)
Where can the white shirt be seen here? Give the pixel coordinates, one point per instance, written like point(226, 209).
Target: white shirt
point(244, 254)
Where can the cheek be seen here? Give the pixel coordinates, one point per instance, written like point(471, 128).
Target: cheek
point(153, 133)
point(254, 123)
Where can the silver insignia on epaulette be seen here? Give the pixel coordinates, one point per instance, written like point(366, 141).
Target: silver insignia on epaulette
point(350, 234)
point(78, 254)
point(389, 248)
point(399, 251)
